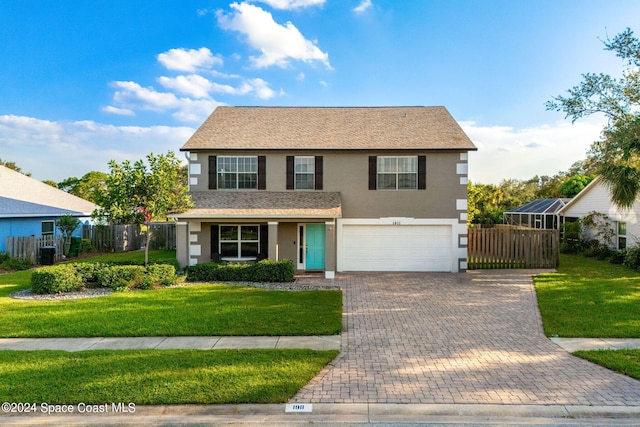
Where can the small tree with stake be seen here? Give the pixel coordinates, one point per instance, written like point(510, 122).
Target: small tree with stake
point(67, 224)
point(139, 192)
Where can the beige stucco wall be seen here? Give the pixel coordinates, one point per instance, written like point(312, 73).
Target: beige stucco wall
point(348, 173)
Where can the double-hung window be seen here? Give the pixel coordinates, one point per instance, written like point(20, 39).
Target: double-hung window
point(622, 235)
point(305, 172)
point(239, 241)
point(397, 172)
point(237, 172)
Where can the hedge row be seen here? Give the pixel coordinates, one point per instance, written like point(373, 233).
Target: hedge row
point(75, 276)
point(261, 271)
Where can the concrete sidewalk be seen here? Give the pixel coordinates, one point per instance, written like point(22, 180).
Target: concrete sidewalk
point(326, 342)
point(575, 344)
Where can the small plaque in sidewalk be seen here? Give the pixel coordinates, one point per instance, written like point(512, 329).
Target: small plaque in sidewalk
point(298, 407)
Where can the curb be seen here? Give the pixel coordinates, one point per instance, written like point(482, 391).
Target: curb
point(372, 413)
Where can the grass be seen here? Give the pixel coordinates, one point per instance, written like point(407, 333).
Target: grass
point(156, 377)
point(206, 309)
point(589, 298)
point(626, 362)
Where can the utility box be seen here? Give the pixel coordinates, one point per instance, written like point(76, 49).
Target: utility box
point(47, 255)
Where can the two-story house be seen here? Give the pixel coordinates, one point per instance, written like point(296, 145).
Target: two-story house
point(332, 189)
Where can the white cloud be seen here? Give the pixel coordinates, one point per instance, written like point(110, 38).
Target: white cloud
point(506, 153)
point(199, 87)
point(189, 60)
point(130, 95)
point(291, 4)
point(279, 44)
point(363, 6)
point(59, 150)
point(119, 111)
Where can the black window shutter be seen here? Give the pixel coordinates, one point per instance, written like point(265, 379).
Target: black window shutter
point(318, 172)
point(290, 173)
point(213, 181)
point(262, 173)
point(214, 242)
point(422, 172)
point(373, 172)
point(264, 240)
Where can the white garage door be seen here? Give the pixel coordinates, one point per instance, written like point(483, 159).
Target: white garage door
point(396, 248)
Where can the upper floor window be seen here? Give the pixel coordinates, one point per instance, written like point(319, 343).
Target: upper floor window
point(397, 173)
point(304, 167)
point(237, 172)
point(304, 172)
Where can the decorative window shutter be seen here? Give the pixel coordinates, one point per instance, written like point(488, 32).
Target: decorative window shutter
point(318, 172)
point(422, 172)
point(215, 237)
point(373, 172)
point(262, 173)
point(290, 173)
point(213, 179)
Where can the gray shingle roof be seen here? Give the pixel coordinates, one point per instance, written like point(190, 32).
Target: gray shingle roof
point(264, 204)
point(37, 195)
point(329, 128)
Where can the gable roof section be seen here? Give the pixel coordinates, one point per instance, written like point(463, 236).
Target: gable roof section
point(329, 128)
point(264, 204)
point(20, 192)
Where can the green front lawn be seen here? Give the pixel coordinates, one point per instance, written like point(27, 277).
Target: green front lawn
point(157, 377)
point(589, 298)
point(626, 362)
point(205, 309)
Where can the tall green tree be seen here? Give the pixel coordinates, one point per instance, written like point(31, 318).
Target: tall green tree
point(88, 187)
point(139, 192)
point(13, 166)
point(67, 224)
point(618, 152)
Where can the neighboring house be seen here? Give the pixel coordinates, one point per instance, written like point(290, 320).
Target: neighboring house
point(29, 207)
point(541, 213)
point(332, 189)
point(596, 197)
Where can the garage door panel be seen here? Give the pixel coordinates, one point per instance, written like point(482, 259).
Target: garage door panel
point(396, 248)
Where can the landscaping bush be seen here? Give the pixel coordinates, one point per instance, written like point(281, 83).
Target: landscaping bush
point(89, 273)
point(262, 271)
point(159, 274)
point(55, 279)
point(121, 277)
point(632, 258)
point(12, 264)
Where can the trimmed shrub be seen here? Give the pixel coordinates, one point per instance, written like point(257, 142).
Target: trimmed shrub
point(55, 279)
point(159, 274)
point(632, 258)
point(89, 272)
point(121, 277)
point(262, 271)
point(12, 264)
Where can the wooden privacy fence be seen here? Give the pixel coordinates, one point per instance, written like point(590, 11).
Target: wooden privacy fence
point(512, 248)
point(28, 247)
point(129, 237)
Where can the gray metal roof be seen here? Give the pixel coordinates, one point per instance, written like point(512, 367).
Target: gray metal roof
point(12, 208)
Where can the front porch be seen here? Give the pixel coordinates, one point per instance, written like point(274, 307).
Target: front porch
point(250, 226)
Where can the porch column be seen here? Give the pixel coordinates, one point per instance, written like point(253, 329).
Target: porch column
point(273, 241)
point(182, 244)
point(330, 250)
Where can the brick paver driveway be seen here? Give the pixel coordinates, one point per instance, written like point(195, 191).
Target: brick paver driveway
point(455, 338)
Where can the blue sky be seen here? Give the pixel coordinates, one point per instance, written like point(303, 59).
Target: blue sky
point(84, 82)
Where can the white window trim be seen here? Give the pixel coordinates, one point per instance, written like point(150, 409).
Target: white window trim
point(237, 173)
point(239, 241)
point(396, 173)
point(312, 163)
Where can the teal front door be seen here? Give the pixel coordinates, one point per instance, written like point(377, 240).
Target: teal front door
point(315, 247)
